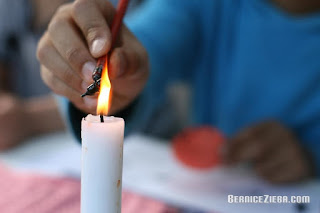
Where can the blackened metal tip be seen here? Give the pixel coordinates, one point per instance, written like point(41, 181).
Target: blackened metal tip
point(84, 94)
point(92, 88)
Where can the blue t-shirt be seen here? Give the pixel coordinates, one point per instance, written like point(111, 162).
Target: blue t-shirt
point(247, 60)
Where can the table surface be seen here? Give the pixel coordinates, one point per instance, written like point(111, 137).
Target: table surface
point(151, 169)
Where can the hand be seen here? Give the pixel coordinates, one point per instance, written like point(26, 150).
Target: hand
point(13, 126)
point(79, 33)
point(274, 151)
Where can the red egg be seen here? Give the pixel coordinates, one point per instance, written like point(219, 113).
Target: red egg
point(199, 147)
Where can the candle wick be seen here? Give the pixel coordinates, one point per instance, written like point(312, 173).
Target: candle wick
point(101, 119)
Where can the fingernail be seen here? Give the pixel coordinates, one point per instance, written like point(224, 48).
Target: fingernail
point(90, 102)
point(97, 46)
point(87, 71)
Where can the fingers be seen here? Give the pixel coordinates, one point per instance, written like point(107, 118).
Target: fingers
point(245, 146)
point(118, 63)
point(270, 164)
point(252, 150)
point(284, 165)
point(287, 173)
point(278, 171)
point(272, 148)
point(243, 139)
point(87, 104)
point(69, 44)
point(252, 143)
point(52, 60)
point(130, 61)
point(93, 25)
point(127, 66)
point(79, 32)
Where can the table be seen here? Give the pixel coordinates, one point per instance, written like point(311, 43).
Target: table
point(151, 169)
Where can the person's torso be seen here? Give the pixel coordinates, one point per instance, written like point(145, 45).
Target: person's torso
point(258, 63)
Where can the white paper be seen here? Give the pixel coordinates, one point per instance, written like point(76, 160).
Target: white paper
point(150, 168)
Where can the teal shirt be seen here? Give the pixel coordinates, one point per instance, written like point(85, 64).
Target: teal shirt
point(247, 61)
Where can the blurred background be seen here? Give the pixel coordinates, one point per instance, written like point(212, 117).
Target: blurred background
point(40, 157)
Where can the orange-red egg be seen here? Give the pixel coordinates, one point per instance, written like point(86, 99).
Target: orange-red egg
point(199, 147)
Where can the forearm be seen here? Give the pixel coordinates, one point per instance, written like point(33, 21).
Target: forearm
point(42, 116)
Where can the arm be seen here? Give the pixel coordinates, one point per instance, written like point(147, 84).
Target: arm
point(45, 115)
point(31, 117)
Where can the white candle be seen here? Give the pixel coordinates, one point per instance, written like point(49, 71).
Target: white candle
point(102, 156)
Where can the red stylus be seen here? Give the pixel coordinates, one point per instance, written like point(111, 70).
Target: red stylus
point(115, 27)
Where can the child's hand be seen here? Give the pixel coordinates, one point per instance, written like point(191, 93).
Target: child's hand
point(274, 151)
point(77, 34)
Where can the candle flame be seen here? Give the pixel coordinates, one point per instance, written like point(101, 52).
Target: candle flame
point(104, 95)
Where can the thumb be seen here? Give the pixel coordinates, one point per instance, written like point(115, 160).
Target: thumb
point(92, 19)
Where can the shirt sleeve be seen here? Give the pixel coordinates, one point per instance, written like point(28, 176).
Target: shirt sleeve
point(14, 21)
point(168, 30)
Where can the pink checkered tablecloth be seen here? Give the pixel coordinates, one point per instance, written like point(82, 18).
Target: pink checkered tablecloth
point(29, 193)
